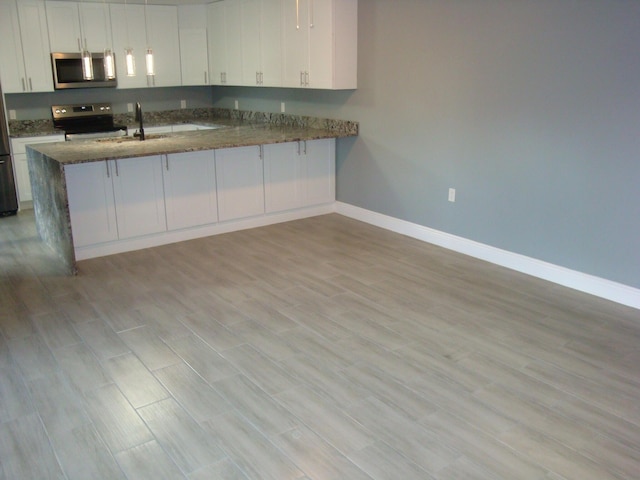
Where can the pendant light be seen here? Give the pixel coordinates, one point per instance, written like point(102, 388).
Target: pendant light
point(149, 55)
point(108, 61)
point(130, 62)
point(87, 61)
point(87, 64)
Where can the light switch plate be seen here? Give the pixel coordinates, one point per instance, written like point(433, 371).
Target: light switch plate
point(12, 114)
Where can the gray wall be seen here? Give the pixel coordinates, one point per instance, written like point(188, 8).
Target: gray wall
point(529, 108)
point(29, 106)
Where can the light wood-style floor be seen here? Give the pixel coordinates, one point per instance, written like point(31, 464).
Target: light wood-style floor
point(317, 349)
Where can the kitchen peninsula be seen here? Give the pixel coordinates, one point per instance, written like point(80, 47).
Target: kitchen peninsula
point(104, 196)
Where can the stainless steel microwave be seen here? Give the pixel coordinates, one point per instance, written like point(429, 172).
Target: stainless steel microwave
point(67, 71)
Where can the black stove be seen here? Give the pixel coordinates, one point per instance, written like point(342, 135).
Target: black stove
point(87, 120)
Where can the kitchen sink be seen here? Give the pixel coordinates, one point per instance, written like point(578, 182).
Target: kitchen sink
point(147, 137)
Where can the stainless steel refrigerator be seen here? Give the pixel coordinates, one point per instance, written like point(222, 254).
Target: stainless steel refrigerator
point(8, 197)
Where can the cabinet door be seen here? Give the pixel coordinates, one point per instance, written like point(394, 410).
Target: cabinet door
point(319, 172)
point(95, 25)
point(251, 58)
point(295, 48)
point(240, 184)
point(91, 203)
point(139, 196)
point(162, 22)
point(321, 45)
point(193, 56)
point(63, 23)
point(283, 188)
point(35, 45)
point(190, 189)
point(233, 34)
point(12, 74)
point(217, 43)
point(128, 30)
point(271, 43)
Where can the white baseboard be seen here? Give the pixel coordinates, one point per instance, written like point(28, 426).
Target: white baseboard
point(583, 282)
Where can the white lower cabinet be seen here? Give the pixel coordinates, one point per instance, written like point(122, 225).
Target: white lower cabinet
point(319, 172)
point(91, 203)
point(117, 199)
point(139, 196)
point(282, 177)
point(19, 150)
point(190, 189)
point(240, 182)
point(149, 201)
point(299, 174)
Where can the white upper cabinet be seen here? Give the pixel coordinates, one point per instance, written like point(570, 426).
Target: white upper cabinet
point(225, 48)
point(162, 24)
point(63, 20)
point(194, 60)
point(127, 27)
point(74, 25)
point(261, 42)
point(25, 63)
point(320, 39)
point(161, 34)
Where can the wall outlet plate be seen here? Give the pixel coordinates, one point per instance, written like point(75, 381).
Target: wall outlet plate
point(452, 194)
point(235, 104)
point(183, 104)
point(281, 107)
point(129, 107)
point(12, 114)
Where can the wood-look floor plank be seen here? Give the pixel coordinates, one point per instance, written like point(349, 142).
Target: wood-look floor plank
point(265, 413)
point(186, 443)
point(134, 380)
point(256, 456)
point(148, 462)
point(193, 393)
point(115, 419)
point(84, 455)
point(206, 362)
point(149, 347)
point(25, 451)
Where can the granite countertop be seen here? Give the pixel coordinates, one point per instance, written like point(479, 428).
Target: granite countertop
point(230, 134)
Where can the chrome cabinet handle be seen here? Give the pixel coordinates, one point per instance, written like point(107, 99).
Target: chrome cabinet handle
point(117, 173)
point(107, 164)
point(205, 77)
point(305, 147)
point(311, 11)
point(261, 152)
point(298, 147)
point(24, 86)
point(167, 162)
point(30, 84)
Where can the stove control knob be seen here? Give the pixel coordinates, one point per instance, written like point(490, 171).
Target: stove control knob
point(57, 110)
point(107, 108)
point(64, 110)
point(101, 108)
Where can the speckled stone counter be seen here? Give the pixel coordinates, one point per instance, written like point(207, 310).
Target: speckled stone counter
point(230, 134)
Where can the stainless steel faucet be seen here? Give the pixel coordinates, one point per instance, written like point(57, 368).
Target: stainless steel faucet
point(140, 132)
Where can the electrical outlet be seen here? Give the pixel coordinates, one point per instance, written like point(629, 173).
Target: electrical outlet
point(281, 107)
point(235, 104)
point(129, 107)
point(183, 104)
point(12, 114)
point(452, 194)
